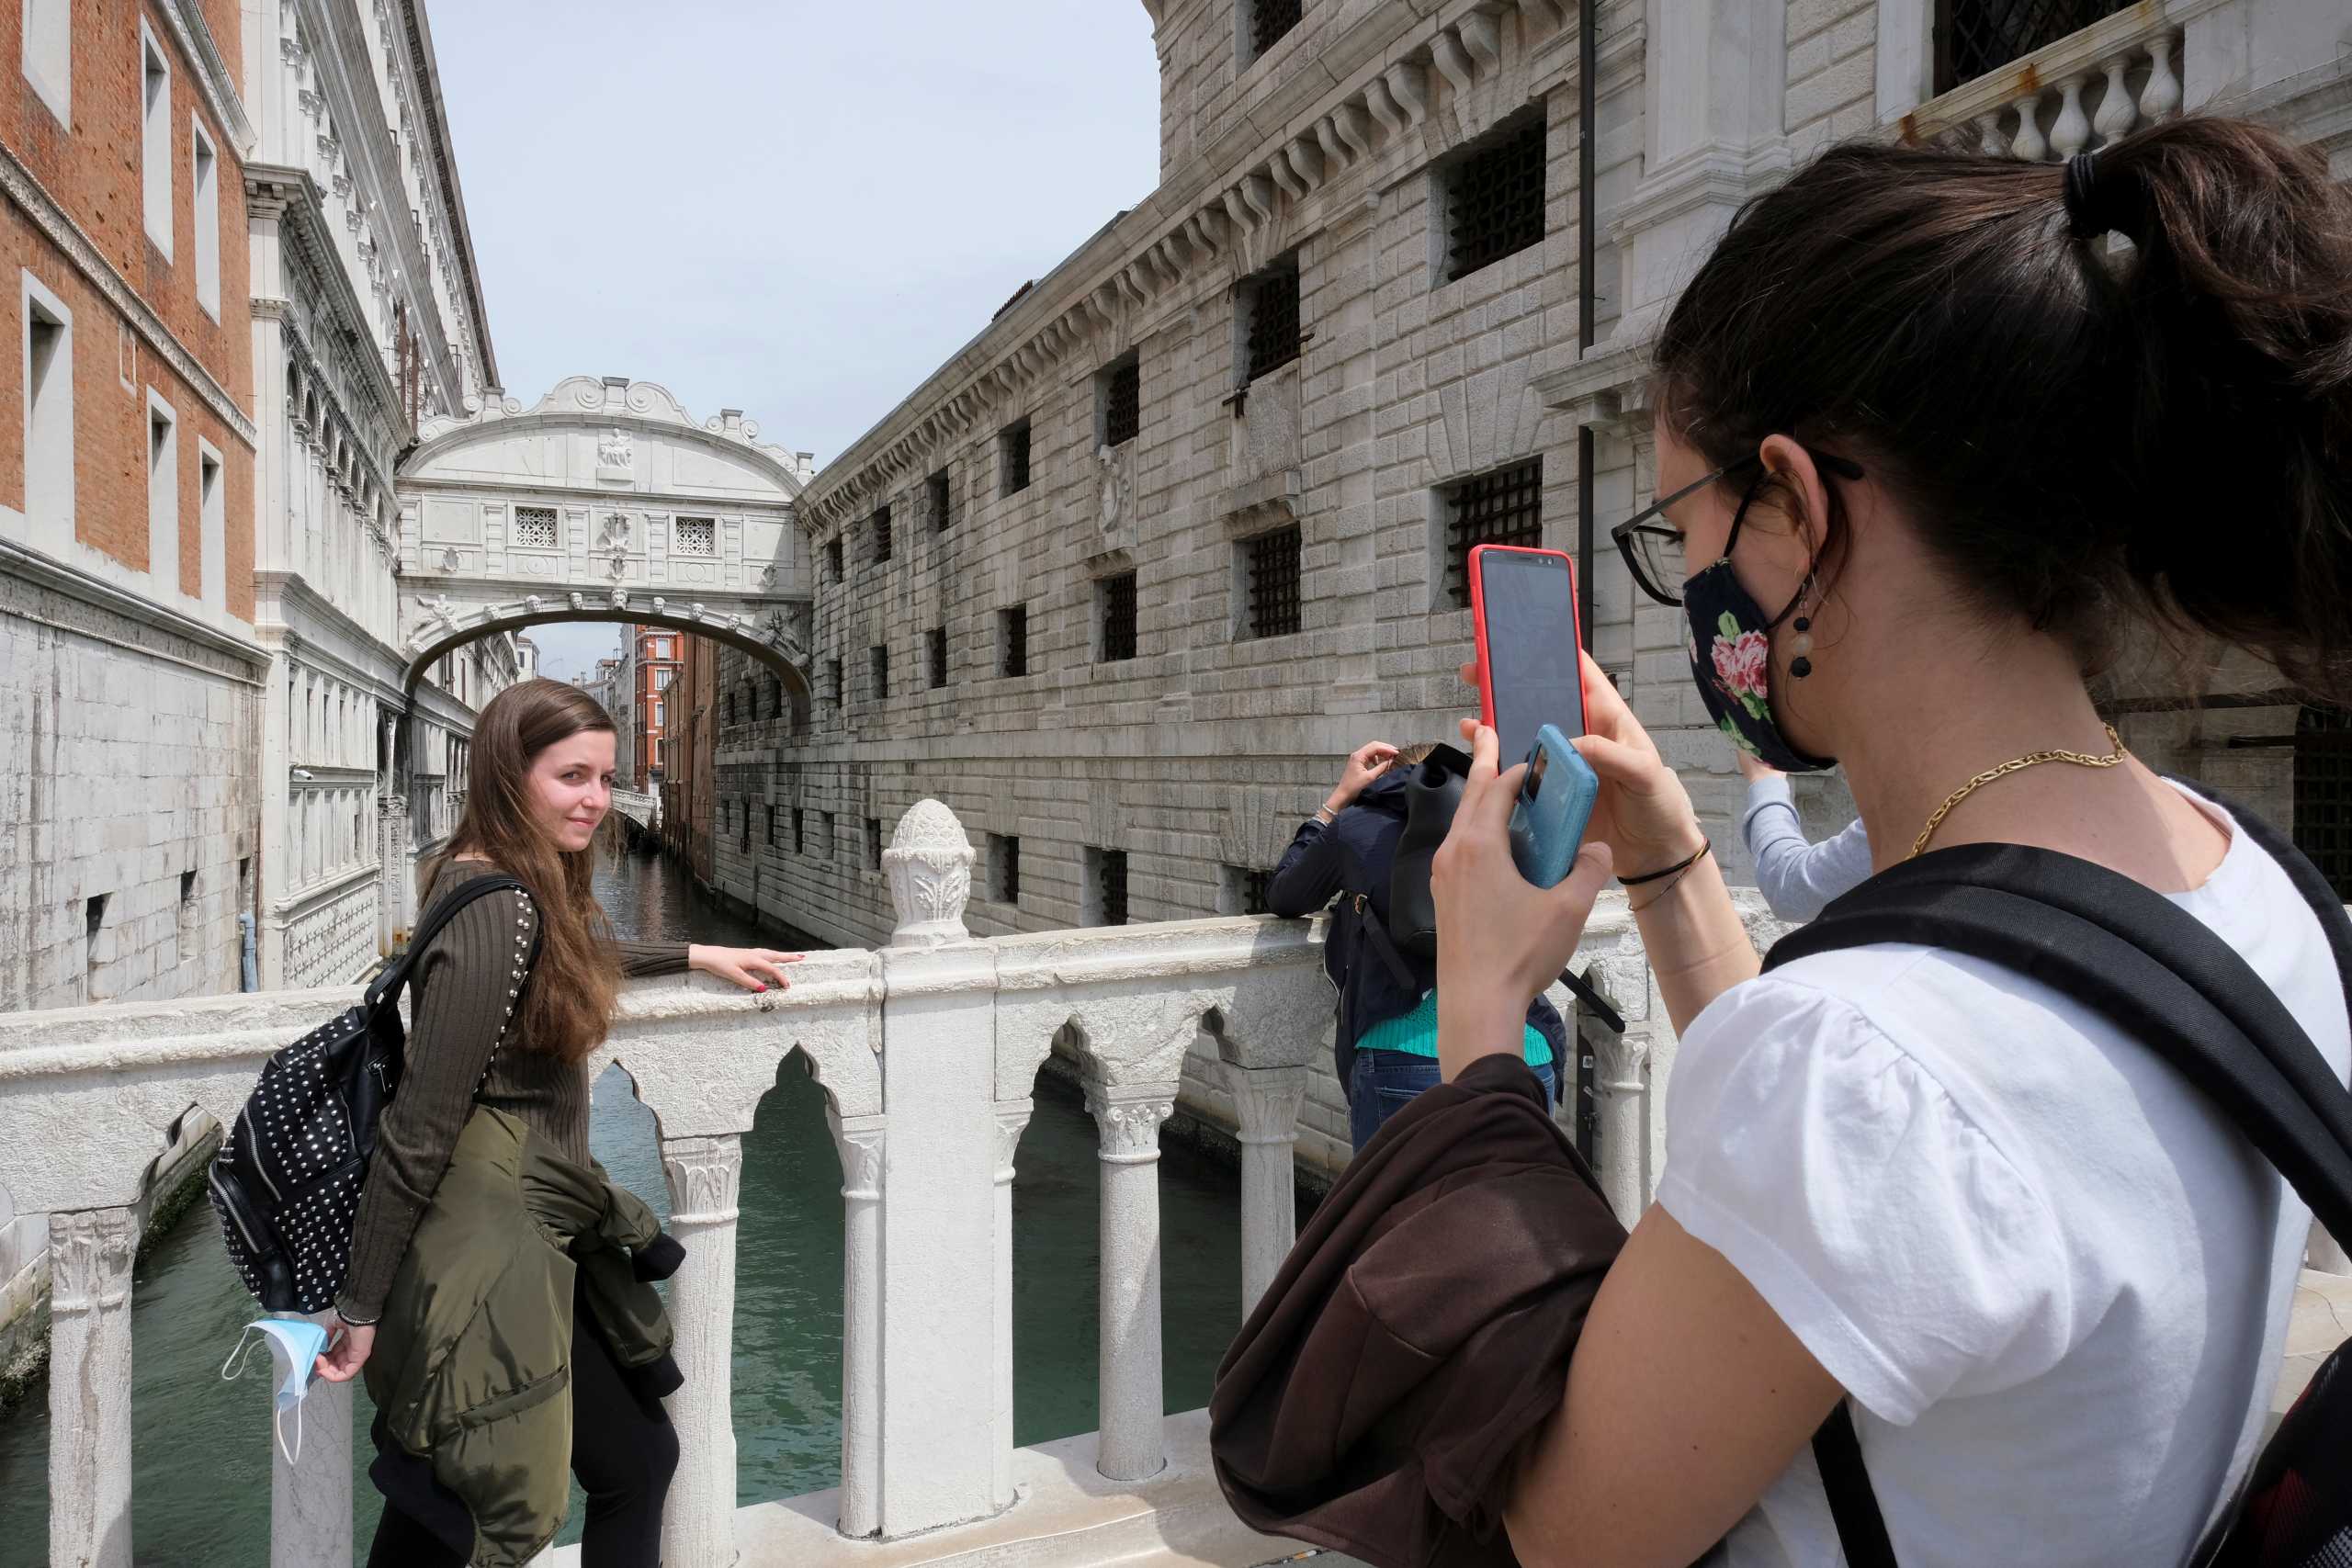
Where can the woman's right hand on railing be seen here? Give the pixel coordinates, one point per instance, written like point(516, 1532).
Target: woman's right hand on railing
point(1641, 813)
point(346, 1352)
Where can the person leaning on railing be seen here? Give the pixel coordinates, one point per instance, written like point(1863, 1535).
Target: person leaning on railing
point(1927, 444)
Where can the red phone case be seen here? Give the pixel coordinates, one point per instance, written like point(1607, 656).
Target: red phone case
point(1474, 566)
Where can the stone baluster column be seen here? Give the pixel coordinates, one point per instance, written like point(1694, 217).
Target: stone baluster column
point(704, 1176)
point(1266, 1102)
point(1621, 1083)
point(90, 1253)
point(1127, 1120)
point(859, 1140)
point(1012, 1120)
point(309, 1498)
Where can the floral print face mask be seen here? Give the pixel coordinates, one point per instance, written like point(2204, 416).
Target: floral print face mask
point(1731, 658)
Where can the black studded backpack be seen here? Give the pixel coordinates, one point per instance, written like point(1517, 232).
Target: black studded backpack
point(286, 1182)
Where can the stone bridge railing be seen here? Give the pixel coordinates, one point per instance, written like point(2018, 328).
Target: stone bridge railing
point(645, 810)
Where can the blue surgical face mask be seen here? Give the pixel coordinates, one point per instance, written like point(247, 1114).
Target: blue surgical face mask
point(294, 1346)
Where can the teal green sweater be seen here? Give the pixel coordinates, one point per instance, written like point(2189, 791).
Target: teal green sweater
point(1415, 1033)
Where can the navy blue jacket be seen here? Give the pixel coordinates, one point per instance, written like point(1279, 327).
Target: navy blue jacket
point(1348, 858)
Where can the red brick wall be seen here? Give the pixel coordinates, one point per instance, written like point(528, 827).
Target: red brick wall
point(93, 170)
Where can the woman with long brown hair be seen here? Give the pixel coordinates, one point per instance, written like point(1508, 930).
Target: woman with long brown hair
point(494, 1029)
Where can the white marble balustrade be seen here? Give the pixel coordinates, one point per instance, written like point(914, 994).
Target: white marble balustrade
point(2087, 90)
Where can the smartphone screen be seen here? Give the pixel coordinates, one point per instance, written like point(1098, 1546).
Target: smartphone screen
point(1530, 618)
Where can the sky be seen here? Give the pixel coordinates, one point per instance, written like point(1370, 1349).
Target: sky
point(796, 208)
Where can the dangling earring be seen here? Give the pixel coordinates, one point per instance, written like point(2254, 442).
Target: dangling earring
point(1801, 646)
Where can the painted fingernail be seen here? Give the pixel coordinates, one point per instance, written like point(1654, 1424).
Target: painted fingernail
point(759, 987)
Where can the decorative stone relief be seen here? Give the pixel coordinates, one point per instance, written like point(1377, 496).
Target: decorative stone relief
point(861, 1154)
point(929, 865)
point(616, 457)
point(1129, 1125)
point(706, 1178)
point(1012, 1120)
point(90, 1253)
point(1266, 1102)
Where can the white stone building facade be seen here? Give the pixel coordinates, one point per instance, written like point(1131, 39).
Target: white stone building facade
point(368, 319)
point(1039, 592)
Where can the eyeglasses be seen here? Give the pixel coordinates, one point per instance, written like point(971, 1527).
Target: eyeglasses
point(1653, 549)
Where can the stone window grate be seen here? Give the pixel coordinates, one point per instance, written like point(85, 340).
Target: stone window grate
point(942, 501)
point(1123, 402)
point(1976, 37)
point(873, 843)
point(2323, 794)
point(1111, 887)
point(1012, 640)
point(938, 657)
point(881, 534)
point(834, 679)
point(1505, 507)
point(1272, 340)
point(1495, 199)
point(826, 844)
point(1119, 617)
point(1004, 868)
point(799, 830)
point(1269, 20)
point(1013, 449)
point(770, 835)
point(1274, 577)
point(695, 537)
point(535, 527)
point(877, 664)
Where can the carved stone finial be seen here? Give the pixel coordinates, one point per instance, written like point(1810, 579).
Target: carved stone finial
point(929, 863)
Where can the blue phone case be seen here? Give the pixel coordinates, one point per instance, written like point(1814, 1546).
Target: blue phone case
point(1547, 822)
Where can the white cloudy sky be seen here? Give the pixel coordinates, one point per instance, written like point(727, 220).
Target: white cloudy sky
point(793, 208)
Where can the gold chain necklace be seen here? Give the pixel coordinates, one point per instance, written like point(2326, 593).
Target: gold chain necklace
point(2017, 765)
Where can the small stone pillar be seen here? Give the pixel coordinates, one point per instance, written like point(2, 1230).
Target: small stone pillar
point(90, 1253)
point(1012, 1120)
point(1127, 1120)
point(1266, 1102)
point(705, 1177)
point(310, 1499)
point(859, 1140)
point(1621, 1084)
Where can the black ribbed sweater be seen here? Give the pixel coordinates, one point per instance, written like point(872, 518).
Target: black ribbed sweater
point(464, 995)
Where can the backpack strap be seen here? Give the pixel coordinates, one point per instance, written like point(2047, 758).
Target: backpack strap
point(2160, 975)
point(387, 986)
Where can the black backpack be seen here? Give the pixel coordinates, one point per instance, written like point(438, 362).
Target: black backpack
point(2168, 981)
point(286, 1182)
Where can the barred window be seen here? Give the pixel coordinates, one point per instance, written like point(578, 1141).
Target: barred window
point(942, 501)
point(799, 831)
point(825, 834)
point(695, 536)
point(1269, 20)
point(743, 826)
point(1271, 572)
point(1505, 507)
point(1115, 597)
point(535, 527)
point(833, 558)
point(1012, 640)
point(1013, 457)
point(1004, 868)
point(1976, 37)
point(770, 835)
point(1121, 390)
point(2323, 794)
point(1244, 890)
point(877, 661)
point(1106, 887)
point(834, 679)
point(873, 843)
point(881, 526)
point(731, 706)
point(775, 697)
point(1494, 197)
point(938, 657)
point(1270, 330)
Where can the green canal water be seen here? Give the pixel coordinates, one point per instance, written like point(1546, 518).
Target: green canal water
point(201, 1447)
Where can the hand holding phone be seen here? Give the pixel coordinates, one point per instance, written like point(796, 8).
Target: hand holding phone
point(1547, 820)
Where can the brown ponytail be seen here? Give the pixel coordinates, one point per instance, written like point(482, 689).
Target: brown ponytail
point(2166, 429)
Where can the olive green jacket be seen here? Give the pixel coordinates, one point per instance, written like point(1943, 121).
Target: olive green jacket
point(471, 1367)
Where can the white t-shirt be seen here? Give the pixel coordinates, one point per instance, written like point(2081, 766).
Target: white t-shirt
point(2055, 1280)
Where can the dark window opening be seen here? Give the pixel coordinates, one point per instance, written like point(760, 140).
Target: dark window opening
point(1269, 20)
point(942, 502)
point(1122, 402)
point(1004, 868)
point(881, 534)
point(1012, 640)
point(1118, 597)
point(1107, 873)
point(1273, 567)
point(187, 886)
point(1271, 340)
point(938, 657)
point(731, 706)
point(1505, 507)
point(770, 839)
point(873, 843)
point(834, 679)
point(799, 830)
point(833, 558)
point(775, 697)
point(1976, 37)
point(1244, 890)
point(1013, 457)
point(743, 826)
point(1494, 200)
point(825, 824)
point(878, 659)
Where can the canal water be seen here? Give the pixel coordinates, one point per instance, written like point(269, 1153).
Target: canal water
point(201, 1447)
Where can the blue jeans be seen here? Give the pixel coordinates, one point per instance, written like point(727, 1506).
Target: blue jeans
point(1384, 1082)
